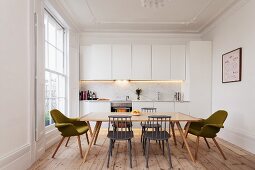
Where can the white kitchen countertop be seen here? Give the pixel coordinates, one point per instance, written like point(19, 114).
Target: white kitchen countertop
point(132, 101)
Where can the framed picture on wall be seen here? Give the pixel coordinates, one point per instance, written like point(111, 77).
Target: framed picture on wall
point(232, 66)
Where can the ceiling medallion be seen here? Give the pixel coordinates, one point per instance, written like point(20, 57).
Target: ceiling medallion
point(153, 3)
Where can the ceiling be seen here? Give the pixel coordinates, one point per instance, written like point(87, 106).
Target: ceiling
point(177, 16)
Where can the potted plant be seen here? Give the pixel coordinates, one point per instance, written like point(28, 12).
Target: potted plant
point(138, 92)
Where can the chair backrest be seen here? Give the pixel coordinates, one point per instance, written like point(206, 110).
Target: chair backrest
point(162, 123)
point(148, 109)
point(59, 117)
point(120, 124)
point(218, 117)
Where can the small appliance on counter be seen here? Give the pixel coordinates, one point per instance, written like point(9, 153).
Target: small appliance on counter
point(121, 106)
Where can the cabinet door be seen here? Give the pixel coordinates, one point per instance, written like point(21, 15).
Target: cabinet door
point(85, 60)
point(121, 62)
point(95, 62)
point(160, 62)
point(141, 62)
point(164, 106)
point(178, 62)
point(139, 105)
point(100, 106)
point(84, 108)
point(101, 64)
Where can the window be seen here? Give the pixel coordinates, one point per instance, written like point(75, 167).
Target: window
point(55, 68)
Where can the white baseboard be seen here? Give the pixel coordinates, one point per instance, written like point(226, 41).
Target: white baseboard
point(18, 159)
point(52, 137)
point(239, 138)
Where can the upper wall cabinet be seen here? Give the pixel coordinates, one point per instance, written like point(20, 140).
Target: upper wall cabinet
point(161, 62)
point(95, 62)
point(178, 62)
point(121, 62)
point(141, 62)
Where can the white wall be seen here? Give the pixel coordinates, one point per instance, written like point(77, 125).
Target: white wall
point(236, 30)
point(15, 73)
point(18, 148)
point(74, 71)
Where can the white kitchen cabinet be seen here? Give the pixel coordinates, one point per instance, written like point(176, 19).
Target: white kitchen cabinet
point(137, 105)
point(141, 62)
point(85, 59)
point(178, 62)
point(164, 106)
point(84, 108)
point(161, 62)
point(121, 62)
point(94, 106)
point(95, 62)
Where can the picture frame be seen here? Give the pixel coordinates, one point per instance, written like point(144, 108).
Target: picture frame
point(232, 66)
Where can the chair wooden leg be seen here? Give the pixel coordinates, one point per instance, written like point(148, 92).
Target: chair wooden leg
point(87, 138)
point(144, 146)
point(218, 146)
point(79, 142)
point(109, 153)
point(58, 146)
point(197, 142)
point(207, 143)
point(147, 152)
point(169, 154)
point(173, 132)
point(163, 148)
point(130, 153)
point(112, 145)
point(143, 129)
point(67, 141)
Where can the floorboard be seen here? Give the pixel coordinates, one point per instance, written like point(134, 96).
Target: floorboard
point(68, 158)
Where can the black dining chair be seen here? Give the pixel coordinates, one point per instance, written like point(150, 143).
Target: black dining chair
point(123, 132)
point(144, 125)
point(162, 134)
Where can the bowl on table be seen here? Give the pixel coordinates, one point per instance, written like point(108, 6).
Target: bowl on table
point(136, 112)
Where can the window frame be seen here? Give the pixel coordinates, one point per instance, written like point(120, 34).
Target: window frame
point(64, 74)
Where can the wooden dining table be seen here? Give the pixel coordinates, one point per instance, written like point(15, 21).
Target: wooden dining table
point(176, 118)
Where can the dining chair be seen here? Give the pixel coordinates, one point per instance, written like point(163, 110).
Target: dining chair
point(208, 128)
point(123, 132)
point(162, 134)
point(144, 125)
point(69, 127)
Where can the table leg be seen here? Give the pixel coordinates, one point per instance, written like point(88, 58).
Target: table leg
point(186, 131)
point(185, 141)
point(90, 131)
point(172, 126)
point(92, 140)
point(97, 132)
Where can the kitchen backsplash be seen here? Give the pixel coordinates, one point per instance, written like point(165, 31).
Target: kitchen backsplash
point(118, 90)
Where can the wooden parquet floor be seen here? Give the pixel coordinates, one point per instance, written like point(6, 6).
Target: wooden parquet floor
point(68, 158)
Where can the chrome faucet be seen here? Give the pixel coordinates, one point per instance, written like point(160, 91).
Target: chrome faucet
point(127, 97)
